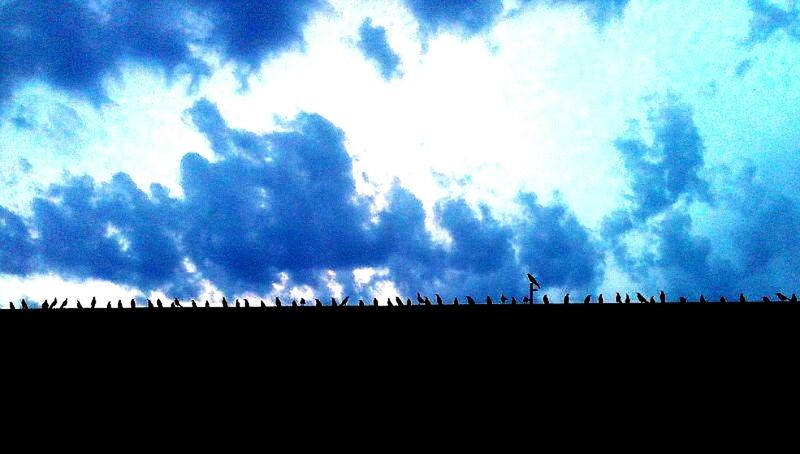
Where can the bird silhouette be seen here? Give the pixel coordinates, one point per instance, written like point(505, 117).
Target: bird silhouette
point(526, 300)
point(600, 299)
point(489, 300)
point(246, 303)
point(108, 305)
point(766, 299)
point(133, 303)
point(11, 305)
point(742, 299)
point(408, 302)
point(703, 299)
point(533, 280)
point(627, 299)
point(641, 298)
point(722, 300)
point(455, 301)
point(93, 303)
point(263, 304)
point(294, 303)
point(208, 304)
point(317, 302)
point(619, 298)
point(45, 305)
point(652, 300)
point(566, 298)
point(514, 301)
point(333, 302)
point(439, 301)
point(794, 298)
point(470, 300)
point(278, 301)
point(345, 300)
point(80, 306)
point(54, 303)
point(172, 304)
point(177, 303)
point(587, 299)
point(238, 304)
point(399, 300)
point(662, 297)
point(149, 303)
point(427, 301)
point(374, 301)
point(119, 304)
point(194, 303)
point(389, 302)
point(682, 300)
point(64, 303)
point(302, 301)
point(781, 296)
point(159, 303)
point(545, 299)
point(503, 298)
point(224, 302)
point(419, 299)
point(361, 302)
point(24, 303)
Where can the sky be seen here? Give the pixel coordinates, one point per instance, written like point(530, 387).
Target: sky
point(317, 148)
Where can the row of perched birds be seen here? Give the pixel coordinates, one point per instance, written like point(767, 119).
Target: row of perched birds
point(422, 301)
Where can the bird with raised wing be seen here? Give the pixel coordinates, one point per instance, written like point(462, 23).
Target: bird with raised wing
point(641, 298)
point(63, 303)
point(766, 299)
point(427, 301)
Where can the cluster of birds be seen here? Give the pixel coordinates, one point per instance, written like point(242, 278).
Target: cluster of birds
point(421, 300)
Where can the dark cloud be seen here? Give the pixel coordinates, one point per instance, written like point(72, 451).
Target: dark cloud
point(75, 45)
point(373, 44)
point(16, 247)
point(743, 67)
point(769, 19)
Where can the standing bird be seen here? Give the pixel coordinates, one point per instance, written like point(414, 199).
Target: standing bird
point(224, 302)
point(641, 298)
point(361, 302)
point(345, 300)
point(238, 304)
point(526, 300)
point(742, 299)
point(503, 298)
point(627, 299)
point(24, 303)
point(722, 300)
point(455, 301)
point(662, 297)
point(317, 302)
point(489, 300)
point(333, 302)
point(119, 304)
point(45, 305)
point(534, 281)
point(566, 298)
point(80, 306)
point(263, 304)
point(246, 303)
point(374, 301)
point(619, 299)
point(682, 300)
point(149, 303)
point(108, 306)
point(399, 300)
point(194, 303)
point(408, 302)
point(766, 300)
point(208, 304)
point(600, 299)
point(419, 298)
point(545, 299)
point(158, 303)
point(439, 301)
point(64, 304)
point(133, 303)
point(277, 302)
point(389, 302)
point(427, 301)
point(470, 301)
point(11, 305)
point(294, 303)
point(703, 299)
point(54, 303)
point(652, 300)
point(514, 301)
point(781, 296)
point(93, 303)
point(794, 298)
point(302, 301)
point(588, 299)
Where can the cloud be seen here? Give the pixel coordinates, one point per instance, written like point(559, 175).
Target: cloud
point(769, 18)
point(372, 43)
point(17, 248)
point(75, 45)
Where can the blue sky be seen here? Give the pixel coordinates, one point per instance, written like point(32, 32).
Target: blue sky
point(193, 148)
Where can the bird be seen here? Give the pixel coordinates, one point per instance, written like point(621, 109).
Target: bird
point(263, 304)
point(194, 303)
point(546, 300)
point(794, 298)
point(302, 301)
point(662, 297)
point(159, 303)
point(627, 299)
point(455, 301)
point(652, 300)
point(80, 306)
point(399, 301)
point(11, 305)
point(133, 303)
point(278, 301)
point(419, 299)
point(781, 296)
point(722, 300)
point(93, 303)
point(566, 298)
point(108, 305)
point(489, 300)
point(317, 302)
point(24, 303)
point(294, 303)
point(503, 298)
point(208, 304)
point(374, 301)
point(526, 300)
point(470, 301)
point(361, 302)
point(439, 301)
point(533, 280)
point(600, 299)
point(119, 304)
point(64, 303)
point(766, 300)
point(345, 300)
point(703, 299)
point(619, 299)
point(246, 303)
point(177, 302)
point(149, 303)
point(587, 299)
point(224, 302)
point(54, 303)
point(514, 301)
point(172, 304)
point(742, 299)
point(427, 301)
point(682, 300)
point(408, 302)
point(389, 302)
point(641, 298)
point(45, 305)
point(238, 304)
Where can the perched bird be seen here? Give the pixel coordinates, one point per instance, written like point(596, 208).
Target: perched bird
point(766, 300)
point(742, 299)
point(24, 303)
point(119, 304)
point(54, 303)
point(11, 305)
point(722, 300)
point(545, 300)
point(627, 299)
point(224, 302)
point(345, 300)
point(489, 300)
point(302, 301)
point(399, 300)
point(278, 301)
point(619, 299)
point(526, 300)
point(172, 304)
point(263, 304)
point(600, 299)
point(503, 298)
point(455, 301)
point(294, 303)
point(194, 303)
point(662, 297)
point(149, 303)
point(93, 303)
point(238, 304)
point(781, 296)
point(361, 302)
point(794, 298)
point(533, 280)
point(108, 306)
point(514, 301)
point(652, 300)
point(45, 305)
point(439, 299)
point(703, 299)
point(133, 303)
point(246, 303)
point(64, 303)
point(427, 301)
point(80, 306)
point(641, 298)
point(158, 303)
point(419, 299)
point(470, 301)
point(317, 302)
point(208, 304)
point(587, 299)
point(566, 298)
point(682, 300)
point(389, 302)
point(408, 301)
point(374, 301)
point(333, 302)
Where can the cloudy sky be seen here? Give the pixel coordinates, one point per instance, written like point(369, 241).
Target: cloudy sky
point(192, 148)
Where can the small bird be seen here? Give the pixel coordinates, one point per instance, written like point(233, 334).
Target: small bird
point(45, 305)
point(662, 297)
point(722, 300)
point(588, 299)
point(781, 296)
point(627, 299)
point(345, 300)
point(317, 302)
point(641, 298)
point(652, 300)
point(489, 300)
point(389, 302)
point(427, 301)
point(177, 303)
point(172, 304)
point(64, 303)
point(294, 303)
point(93, 303)
point(455, 301)
point(238, 304)
point(766, 300)
point(333, 302)
point(514, 301)
point(374, 301)
point(159, 303)
point(794, 298)
point(533, 280)
point(224, 302)
point(80, 306)
point(194, 303)
point(742, 299)
point(361, 302)
point(399, 301)
point(119, 304)
point(526, 300)
point(108, 306)
point(133, 303)
point(600, 299)
point(11, 305)
point(408, 302)
point(246, 303)
point(470, 301)
point(566, 298)
point(619, 299)
point(682, 300)
point(302, 301)
point(419, 298)
point(439, 301)
point(703, 299)
point(208, 304)
point(503, 298)
point(277, 302)
point(54, 303)
point(546, 300)
point(263, 304)
point(149, 303)
point(24, 303)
